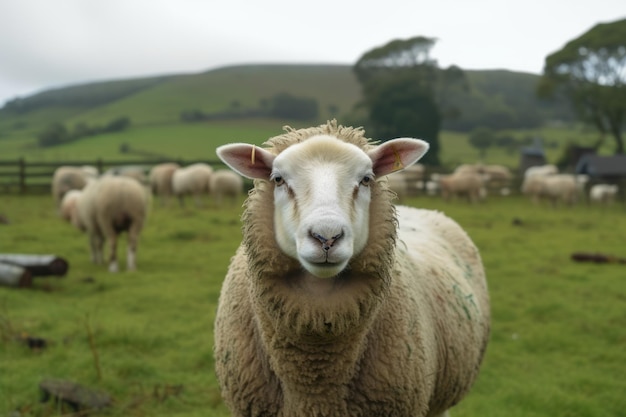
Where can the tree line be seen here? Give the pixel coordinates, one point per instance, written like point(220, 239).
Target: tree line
point(405, 92)
point(280, 106)
point(58, 134)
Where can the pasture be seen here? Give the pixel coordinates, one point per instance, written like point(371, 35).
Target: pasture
point(558, 338)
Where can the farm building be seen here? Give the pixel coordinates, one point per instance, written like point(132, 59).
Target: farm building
point(605, 169)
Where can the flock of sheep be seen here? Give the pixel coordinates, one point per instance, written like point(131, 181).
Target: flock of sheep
point(475, 181)
point(104, 206)
point(339, 301)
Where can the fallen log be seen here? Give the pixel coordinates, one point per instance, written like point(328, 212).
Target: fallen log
point(15, 276)
point(37, 265)
point(75, 395)
point(598, 258)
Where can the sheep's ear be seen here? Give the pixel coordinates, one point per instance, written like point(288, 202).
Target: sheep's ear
point(248, 160)
point(397, 154)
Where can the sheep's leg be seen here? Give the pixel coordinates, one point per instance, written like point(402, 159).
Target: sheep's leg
point(113, 253)
point(96, 242)
point(444, 414)
point(131, 250)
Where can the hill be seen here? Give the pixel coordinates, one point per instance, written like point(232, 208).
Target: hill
point(500, 99)
point(503, 96)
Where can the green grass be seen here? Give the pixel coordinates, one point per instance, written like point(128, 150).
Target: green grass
point(558, 331)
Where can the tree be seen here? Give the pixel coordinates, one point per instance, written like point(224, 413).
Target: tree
point(403, 91)
point(590, 71)
point(482, 138)
point(287, 106)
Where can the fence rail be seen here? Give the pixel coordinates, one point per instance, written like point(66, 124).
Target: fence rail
point(23, 177)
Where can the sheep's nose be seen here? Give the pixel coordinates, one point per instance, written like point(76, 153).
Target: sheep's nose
point(326, 242)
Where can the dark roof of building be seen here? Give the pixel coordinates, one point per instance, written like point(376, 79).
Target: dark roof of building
point(602, 166)
point(533, 151)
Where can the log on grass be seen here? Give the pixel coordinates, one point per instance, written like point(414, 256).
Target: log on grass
point(37, 265)
point(15, 276)
point(599, 258)
point(77, 396)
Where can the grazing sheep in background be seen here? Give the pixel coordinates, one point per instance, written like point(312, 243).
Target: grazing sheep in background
point(555, 188)
point(67, 178)
point(603, 193)
point(160, 179)
point(225, 183)
point(337, 302)
point(398, 184)
point(107, 207)
point(541, 170)
point(131, 171)
point(192, 180)
point(68, 204)
point(465, 183)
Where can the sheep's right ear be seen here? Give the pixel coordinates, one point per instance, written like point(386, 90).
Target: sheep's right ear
point(247, 160)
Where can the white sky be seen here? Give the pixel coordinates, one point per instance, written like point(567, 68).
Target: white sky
point(51, 43)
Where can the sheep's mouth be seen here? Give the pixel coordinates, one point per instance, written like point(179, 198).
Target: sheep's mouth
point(324, 270)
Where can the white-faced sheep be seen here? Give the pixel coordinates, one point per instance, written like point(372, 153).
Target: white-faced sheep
point(603, 193)
point(463, 184)
point(192, 180)
point(107, 207)
point(66, 178)
point(225, 183)
point(337, 302)
point(160, 179)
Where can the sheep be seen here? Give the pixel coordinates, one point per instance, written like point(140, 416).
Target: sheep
point(136, 172)
point(554, 188)
point(603, 193)
point(338, 302)
point(104, 209)
point(541, 170)
point(191, 180)
point(68, 204)
point(225, 183)
point(67, 178)
point(160, 179)
point(464, 183)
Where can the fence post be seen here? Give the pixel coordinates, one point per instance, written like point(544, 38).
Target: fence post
point(22, 174)
point(100, 165)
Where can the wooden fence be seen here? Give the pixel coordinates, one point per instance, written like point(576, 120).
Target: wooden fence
point(24, 177)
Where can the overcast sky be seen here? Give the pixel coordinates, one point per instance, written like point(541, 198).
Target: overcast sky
point(51, 43)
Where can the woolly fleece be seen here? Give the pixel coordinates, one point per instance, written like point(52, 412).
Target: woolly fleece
point(402, 333)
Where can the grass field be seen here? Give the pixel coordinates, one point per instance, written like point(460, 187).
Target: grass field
point(558, 345)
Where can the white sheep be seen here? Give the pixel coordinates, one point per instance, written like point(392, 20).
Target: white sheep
point(463, 184)
point(135, 172)
point(107, 207)
point(66, 178)
point(555, 188)
point(68, 204)
point(603, 193)
point(225, 183)
point(160, 179)
point(541, 170)
point(337, 302)
point(192, 180)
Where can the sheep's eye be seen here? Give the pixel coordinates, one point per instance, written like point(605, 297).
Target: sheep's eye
point(366, 181)
point(278, 180)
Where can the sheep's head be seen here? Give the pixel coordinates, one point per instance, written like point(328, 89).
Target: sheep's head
point(322, 193)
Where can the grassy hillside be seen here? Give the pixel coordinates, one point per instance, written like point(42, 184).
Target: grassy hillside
point(154, 106)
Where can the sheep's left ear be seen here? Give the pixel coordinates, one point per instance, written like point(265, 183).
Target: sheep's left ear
point(397, 154)
point(247, 160)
